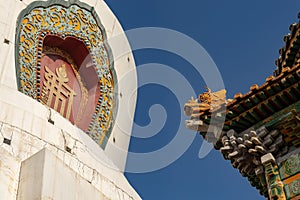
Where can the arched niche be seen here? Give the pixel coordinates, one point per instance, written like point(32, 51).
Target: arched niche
point(63, 61)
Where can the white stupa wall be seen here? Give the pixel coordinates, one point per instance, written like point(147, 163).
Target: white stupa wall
point(25, 130)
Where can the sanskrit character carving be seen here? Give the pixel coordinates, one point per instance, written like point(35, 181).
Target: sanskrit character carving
point(56, 93)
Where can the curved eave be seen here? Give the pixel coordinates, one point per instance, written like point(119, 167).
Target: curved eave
point(262, 101)
point(289, 54)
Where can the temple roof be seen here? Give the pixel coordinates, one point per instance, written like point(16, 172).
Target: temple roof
point(289, 53)
point(264, 120)
point(263, 101)
point(278, 92)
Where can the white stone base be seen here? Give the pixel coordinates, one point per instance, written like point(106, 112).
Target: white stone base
point(45, 176)
point(31, 168)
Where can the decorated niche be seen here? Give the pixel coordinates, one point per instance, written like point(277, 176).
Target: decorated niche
point(64, 62)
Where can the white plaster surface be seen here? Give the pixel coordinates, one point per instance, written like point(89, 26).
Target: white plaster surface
point(9, 173)
point(121, 52)
point(98, 169)
point(43, 175)
point(24, 121)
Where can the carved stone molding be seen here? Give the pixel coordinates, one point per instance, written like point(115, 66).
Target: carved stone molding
point(245, 152)
point(275, 185)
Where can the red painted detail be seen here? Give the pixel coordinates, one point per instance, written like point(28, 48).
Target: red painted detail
point(83, 60)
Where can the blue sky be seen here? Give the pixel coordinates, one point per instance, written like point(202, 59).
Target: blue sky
point(243, 39)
